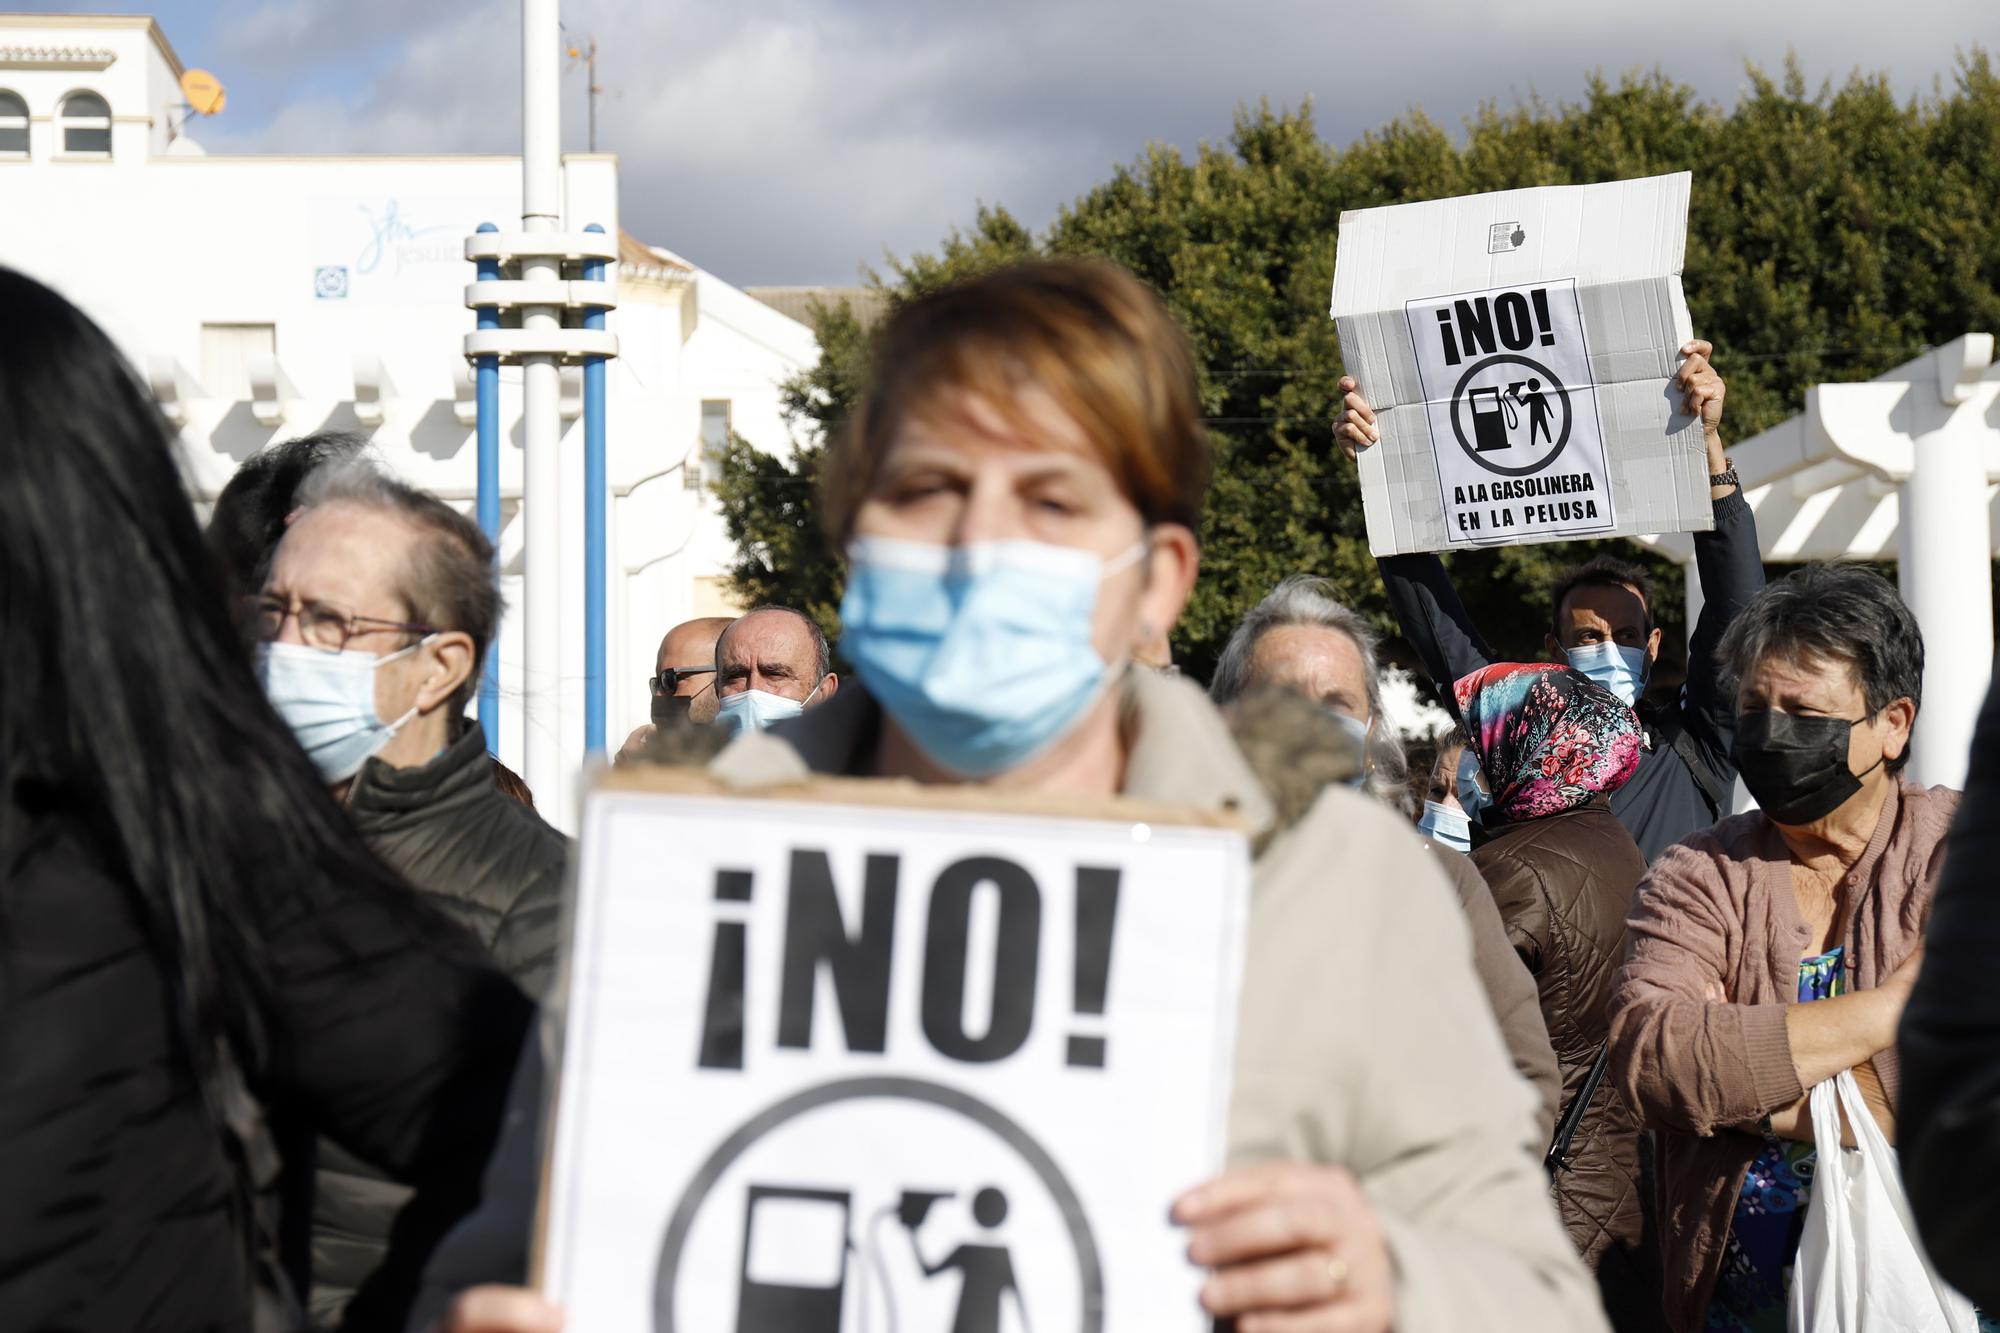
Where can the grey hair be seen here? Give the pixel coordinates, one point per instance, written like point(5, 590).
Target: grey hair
point(1845, 614)
point(449, 580)
point(822, 653)
point(1305, 599)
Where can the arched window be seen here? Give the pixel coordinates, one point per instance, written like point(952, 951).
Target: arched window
point(13, 125)
point(86, 124)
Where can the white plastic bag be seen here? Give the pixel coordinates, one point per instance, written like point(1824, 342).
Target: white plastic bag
point(1860, 1268)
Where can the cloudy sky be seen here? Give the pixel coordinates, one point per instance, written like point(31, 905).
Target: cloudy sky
point(793, 141)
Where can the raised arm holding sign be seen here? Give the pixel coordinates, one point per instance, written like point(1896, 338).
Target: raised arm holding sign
point(1602, 624)
point(1519, 349)
point(1529, 376)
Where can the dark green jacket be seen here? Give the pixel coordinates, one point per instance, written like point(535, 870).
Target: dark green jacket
point(495, 866)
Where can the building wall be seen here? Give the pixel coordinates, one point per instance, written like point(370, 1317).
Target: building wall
point(141, 81)
point(346, 259)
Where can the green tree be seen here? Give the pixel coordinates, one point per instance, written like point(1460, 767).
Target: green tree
point(1833, 232)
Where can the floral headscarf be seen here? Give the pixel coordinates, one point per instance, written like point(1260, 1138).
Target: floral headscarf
point(1548, 739)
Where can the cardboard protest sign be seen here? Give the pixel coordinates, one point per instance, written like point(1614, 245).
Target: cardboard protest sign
point(835, 1065)
point(1519, 349)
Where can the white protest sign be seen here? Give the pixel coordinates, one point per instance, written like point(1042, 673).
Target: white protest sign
point(1497, 369)
point(866, 1068)
point(1519, 349)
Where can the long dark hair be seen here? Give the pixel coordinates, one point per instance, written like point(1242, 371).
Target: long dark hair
point(127, 708)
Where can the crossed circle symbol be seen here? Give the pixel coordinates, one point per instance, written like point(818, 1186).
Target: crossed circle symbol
point(1554, 388)
point(666, 1278)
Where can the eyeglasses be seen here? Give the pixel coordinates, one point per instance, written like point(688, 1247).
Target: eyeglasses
point(668, 681)
point(320, 627)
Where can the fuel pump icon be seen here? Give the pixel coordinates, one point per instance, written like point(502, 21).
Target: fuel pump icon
point(796, 1276)
point(1489, 419)
point(916, 1205)
point(794, 1271)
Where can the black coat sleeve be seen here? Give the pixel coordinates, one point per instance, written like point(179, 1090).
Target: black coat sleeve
point(1731, 570)
point(1434, 620)
point(116, 1197)
point(1948, 1122)
point(529, 934)
point(397, 1038)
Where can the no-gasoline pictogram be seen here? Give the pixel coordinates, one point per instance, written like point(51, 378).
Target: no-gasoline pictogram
point(1514, 428)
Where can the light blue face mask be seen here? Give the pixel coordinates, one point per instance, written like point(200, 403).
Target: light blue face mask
point(1443, 824)
point(1619, 670)
point(1357, 731)
point(754, 710)
point(328, 700)
point(981, 653)
point(1472, 798)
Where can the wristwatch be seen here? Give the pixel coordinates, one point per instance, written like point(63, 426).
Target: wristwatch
point(1728, 478)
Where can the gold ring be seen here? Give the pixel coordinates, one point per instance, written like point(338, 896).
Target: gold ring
point(1336, 1272)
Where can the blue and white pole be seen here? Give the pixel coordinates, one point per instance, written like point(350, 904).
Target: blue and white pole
point(541, 305)
point(529, 285)
point(593, 522)
point(487, 398)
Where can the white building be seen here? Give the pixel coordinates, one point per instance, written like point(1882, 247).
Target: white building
point(269, 297)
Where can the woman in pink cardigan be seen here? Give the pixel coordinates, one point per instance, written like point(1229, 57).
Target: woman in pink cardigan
point(1819, 896)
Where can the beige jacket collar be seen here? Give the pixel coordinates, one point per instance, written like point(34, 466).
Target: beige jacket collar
point(1178, 747)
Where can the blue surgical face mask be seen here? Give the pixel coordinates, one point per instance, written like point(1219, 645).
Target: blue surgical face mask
point(1472, 798)
point(1443, 824)
point(981, 653)
point(754, 710)
point(328, 700)
point(1357, 731)
point(1619, 670)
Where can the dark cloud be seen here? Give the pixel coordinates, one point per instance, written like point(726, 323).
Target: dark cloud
point(793, 141)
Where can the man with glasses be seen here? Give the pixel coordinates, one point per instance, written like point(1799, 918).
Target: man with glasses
point(380, 603)
point(682, 683)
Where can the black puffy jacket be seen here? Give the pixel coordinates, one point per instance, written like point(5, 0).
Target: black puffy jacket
point(119, 1195)
point(489, 861)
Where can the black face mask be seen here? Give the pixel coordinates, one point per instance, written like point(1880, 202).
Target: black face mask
point(1796, 767)
point(671, 709)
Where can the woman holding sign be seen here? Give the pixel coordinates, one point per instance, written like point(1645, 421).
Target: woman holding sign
point(1018, 500)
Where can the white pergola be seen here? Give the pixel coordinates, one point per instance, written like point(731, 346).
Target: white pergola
point(1903, 467)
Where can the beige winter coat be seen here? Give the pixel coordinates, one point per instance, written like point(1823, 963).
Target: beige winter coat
point(1363, 1037)
point(1363, 1040)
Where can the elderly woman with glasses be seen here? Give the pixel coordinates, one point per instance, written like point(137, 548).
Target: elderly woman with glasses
point(1777, 949)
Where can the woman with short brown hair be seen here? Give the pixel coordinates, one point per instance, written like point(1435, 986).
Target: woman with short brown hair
point(1018, 500)
point(1088, 337)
